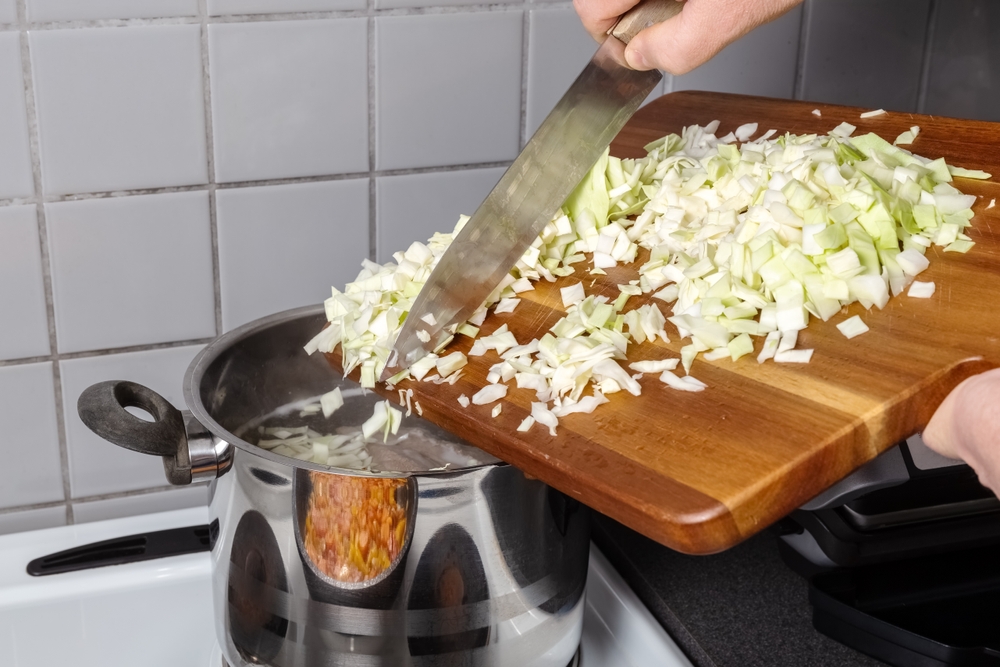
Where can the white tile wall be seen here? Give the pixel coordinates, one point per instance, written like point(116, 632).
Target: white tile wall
point(283, 246)
point(29, 440)
point(391, 4)
point(865, 53)
point(762, 63)
point(131, 270)
point(448, 88)
point(412, 207)
point(146, 503)
point(216, 7)
point(110, 110)
point(289, 98)
point(119, 108)
point(22, 291)
point(558, 50)
point(964, 78)
point(15, 158)
point(36, 519)
point(96, 466)
point(67, 10)
point(8, 11)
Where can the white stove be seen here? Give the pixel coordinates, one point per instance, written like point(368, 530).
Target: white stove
point(158, 613)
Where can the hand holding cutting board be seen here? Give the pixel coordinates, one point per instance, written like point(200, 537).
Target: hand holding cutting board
point(687, 40)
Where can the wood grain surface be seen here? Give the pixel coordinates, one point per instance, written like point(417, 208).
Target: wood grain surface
point(699, 472)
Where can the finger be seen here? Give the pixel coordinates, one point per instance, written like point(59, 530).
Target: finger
point(599, 15)
point(700, 31)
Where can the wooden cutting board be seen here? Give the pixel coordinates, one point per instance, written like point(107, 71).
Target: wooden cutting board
point(699, 472)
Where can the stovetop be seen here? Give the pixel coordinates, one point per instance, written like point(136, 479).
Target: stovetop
point(158, 613)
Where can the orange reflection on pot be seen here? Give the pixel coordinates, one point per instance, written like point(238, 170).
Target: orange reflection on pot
point(355, 526)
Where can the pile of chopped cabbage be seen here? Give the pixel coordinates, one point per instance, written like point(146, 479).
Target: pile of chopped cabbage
point(747, 240)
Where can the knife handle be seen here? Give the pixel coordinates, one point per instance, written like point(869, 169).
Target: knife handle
point(643, 15)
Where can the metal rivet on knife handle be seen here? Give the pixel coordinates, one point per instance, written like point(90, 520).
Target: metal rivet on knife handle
point(642, 16)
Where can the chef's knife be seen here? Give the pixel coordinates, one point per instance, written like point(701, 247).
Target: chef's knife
point(565, 146)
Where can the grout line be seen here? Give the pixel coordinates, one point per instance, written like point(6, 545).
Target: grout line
point(104, 496)
point(203, 17)
point(65, 356)
point(213, 218)
point(525, 44)
point(250, 184)
point(372, 137)
point(925, 65)
point(43, 247)
point(800, 59)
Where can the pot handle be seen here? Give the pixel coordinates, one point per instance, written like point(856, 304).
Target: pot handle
point(102, 408)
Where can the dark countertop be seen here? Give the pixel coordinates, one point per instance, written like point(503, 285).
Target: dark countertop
point(740, 608)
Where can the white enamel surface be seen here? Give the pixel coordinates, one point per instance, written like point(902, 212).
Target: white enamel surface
point(119, 108)
point(412, 207)
point(29, 442)
point(22, 293)
point(67, 10)
point(108, 616)
point(156, 614)
point(617, 628)
point(131, 270)
point(15, 158)
point(289, 98)
point(284, 246)
point(95, 465)
point(447, 88)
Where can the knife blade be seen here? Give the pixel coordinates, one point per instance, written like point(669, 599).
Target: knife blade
point(563, 149)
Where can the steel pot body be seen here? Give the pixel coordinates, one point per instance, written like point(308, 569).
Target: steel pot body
point(317, 566)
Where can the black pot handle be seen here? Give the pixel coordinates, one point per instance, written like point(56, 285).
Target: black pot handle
point(102, 409)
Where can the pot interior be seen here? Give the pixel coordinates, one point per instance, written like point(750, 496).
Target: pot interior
point(257, 379)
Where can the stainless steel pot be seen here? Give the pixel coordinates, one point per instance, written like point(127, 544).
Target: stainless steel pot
point(483, 565)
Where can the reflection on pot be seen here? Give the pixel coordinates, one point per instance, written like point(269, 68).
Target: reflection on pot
point(355, 527)
point(449, 576)
point(256, 580)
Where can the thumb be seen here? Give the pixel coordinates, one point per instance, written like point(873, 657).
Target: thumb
point(677, 45)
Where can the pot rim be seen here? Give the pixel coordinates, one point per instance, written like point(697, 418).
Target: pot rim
point(196, 370)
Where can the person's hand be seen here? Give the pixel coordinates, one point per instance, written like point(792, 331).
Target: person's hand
point(681, 43)
point(967, 426)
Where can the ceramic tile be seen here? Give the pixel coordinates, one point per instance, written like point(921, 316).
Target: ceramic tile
point(392, 4)
point(289, 98)
point(119, 108)
point(964, 78)
point(96, 466)
point(131, 270)
point(283, 246)
point(25, 331)
point(19, 522)
point(15, 155)
point(864, 53)
point(448, 88)
point(414, 206)
point(761, 63)
point(8, 11)
point(218, 7)
point(30, 441)
point(68, 10)
point(145, 503)
point(558, 49)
